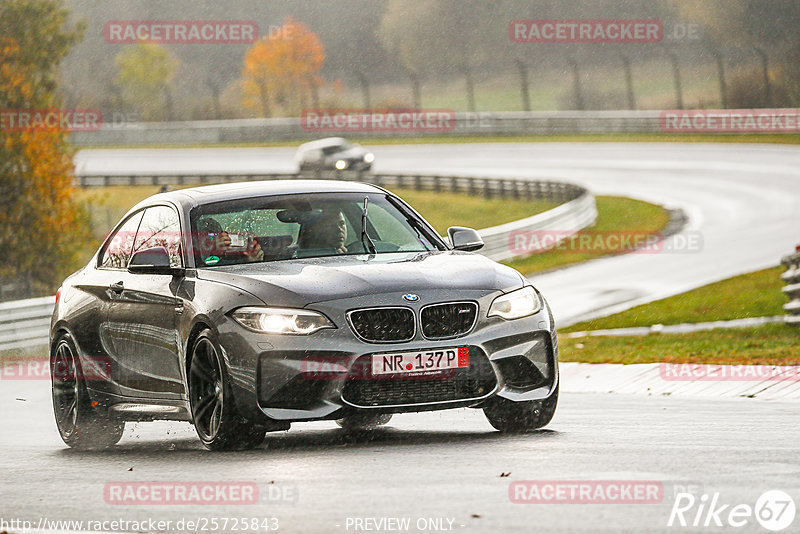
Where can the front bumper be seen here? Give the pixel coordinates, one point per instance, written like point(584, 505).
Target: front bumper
point(327, 375)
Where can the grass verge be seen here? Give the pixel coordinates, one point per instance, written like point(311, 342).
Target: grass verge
point(616, 215)
point(773, 344)
point(756, 294)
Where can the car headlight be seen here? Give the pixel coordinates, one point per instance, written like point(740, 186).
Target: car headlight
point(341, 164)
point(282, 320)
point(369, 157)
point(517, 304)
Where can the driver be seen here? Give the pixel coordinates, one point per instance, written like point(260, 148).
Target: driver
point(215, 241)
point(328, 232)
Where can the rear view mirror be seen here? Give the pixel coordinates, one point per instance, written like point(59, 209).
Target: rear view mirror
point(153, 261)
point(465, 239)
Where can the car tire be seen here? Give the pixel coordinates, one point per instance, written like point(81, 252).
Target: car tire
point(80, 424)
point(362, 422)
point(216, 419)
point(510, 417)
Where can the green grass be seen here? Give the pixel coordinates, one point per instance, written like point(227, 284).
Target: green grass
point(784, 139)
point(614, 214)
point(755, 294)
point(773, 344)
point(443, 210)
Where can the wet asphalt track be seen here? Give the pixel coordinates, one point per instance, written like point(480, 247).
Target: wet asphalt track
point(435, 465)
point(745, 202)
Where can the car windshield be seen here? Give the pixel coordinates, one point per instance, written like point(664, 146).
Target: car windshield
point(333, 149)
point(304, 226)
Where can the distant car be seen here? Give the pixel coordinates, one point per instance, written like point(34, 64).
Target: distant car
point(245, 307)
point(333, 153)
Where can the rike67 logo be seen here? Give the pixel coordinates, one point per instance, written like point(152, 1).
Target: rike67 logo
point(774, 510)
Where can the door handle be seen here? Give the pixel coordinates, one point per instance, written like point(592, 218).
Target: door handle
point(117, 287)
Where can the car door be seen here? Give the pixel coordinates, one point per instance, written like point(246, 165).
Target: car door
point(90, 320)
point(142, 316)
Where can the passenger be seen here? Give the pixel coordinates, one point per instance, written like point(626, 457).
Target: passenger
point(327, 233)
point(215, 241)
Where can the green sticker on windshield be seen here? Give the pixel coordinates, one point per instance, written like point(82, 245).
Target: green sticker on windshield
point(212, 260)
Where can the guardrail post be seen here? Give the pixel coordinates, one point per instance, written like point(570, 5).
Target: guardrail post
point(792, 289)
point(472, 190)
point(487, 188)
point(418, 183)
point(436, 186)
point(454, 184)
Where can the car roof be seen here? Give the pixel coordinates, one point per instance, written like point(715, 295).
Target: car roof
point(320, 143)
point(188, 198)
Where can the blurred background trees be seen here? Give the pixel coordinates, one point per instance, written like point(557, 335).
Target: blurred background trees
point(281, 71)
point(42, 228)
point(145, 72)
point(444, 53)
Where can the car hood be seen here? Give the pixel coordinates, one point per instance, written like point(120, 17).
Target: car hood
point(297, 283)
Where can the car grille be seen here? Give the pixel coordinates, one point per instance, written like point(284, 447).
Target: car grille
point(382, 325)
point(476, 381)
point(441, 321)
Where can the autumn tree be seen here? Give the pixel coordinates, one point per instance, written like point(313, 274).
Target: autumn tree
point(42, 229)
point(281, 70)
point(145, 72)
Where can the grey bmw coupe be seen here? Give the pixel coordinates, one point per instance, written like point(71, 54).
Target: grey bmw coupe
point(245, 307)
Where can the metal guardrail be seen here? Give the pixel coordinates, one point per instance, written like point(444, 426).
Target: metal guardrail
point(26, 323)
point(284, 129)
point(792, 289)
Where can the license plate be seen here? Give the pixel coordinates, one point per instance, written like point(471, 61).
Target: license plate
point(420, 361)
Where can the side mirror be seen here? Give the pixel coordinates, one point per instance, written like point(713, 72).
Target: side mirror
point(153, 261)
point(465, 239)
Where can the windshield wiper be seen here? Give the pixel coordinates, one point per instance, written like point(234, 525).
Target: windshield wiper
point(365, 239)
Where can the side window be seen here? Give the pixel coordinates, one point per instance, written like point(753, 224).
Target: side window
point(160, 228)
point(120, 246)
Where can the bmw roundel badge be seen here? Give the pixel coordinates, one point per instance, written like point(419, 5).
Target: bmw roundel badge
point(411, 297)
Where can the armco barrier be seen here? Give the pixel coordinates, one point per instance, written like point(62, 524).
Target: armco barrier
point(26, 323)
point(792, 289)
point(283, 129)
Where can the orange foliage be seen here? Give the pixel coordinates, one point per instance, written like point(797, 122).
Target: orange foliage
point(281, 69)
point(41, 228)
